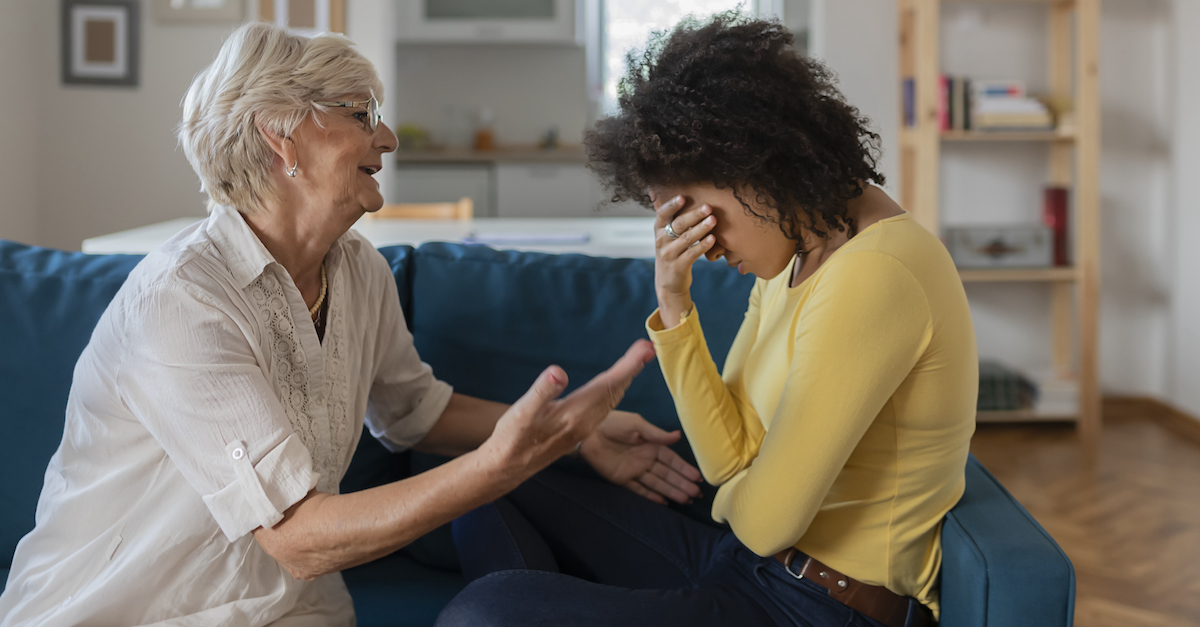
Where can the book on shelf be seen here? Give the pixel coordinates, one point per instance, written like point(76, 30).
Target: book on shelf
point(998, 89)
point(910, 102)
point(1055, 201)
point(965, 104)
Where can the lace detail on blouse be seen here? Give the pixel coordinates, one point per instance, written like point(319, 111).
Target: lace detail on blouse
point(337, 387)
point(324, 429)
point(288, 359)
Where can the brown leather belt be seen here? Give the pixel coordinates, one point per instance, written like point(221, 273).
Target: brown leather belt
point(876, 602)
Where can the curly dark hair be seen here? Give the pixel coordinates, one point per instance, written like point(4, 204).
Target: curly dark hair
point(731, 102)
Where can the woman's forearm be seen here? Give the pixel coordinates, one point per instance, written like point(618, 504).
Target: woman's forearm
point(464, 425)
point(326, 533)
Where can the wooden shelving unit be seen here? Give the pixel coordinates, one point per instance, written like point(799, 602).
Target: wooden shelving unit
point(1074, 27)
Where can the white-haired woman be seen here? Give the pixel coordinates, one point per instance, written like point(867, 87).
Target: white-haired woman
point(221, 397)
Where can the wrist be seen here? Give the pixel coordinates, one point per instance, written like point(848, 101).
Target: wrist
point(586, 448)
point(673, 312)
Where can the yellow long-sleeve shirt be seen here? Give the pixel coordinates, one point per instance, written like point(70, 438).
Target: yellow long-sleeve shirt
point(842, 422)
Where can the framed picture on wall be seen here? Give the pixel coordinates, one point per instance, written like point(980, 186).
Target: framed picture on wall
point(205, 11)
point(305, 17)
point(100, 42)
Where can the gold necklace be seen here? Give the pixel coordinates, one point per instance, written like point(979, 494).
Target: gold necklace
point(312, 312)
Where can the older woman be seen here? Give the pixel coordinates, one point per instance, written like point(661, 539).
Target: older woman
point(223, 392)
point(838, 432)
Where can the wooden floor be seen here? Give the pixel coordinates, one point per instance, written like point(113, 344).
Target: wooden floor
point(1128, 514)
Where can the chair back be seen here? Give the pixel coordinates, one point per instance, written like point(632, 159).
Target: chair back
point(463, 209)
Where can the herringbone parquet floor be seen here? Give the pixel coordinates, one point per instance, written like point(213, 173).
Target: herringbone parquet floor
point(1128, 515)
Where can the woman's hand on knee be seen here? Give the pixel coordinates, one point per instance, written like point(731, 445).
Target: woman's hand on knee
point(540, 427)
point(681, 236)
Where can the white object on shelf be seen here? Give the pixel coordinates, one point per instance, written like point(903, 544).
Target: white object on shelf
point(1057, 395)
point(598, 237)
point(489, 21)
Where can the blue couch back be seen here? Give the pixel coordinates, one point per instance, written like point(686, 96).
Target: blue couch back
point(49, 301)
point(488, 322)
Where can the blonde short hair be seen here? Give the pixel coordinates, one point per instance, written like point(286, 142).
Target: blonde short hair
point(263, 76)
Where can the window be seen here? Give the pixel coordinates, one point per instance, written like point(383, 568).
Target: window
point(627, 24)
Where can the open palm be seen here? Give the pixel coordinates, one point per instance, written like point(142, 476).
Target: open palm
point(630, 452)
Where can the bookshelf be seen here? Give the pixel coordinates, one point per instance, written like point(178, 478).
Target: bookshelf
point(1074, 158)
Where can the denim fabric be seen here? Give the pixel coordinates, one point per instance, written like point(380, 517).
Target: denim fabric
point(569, 550)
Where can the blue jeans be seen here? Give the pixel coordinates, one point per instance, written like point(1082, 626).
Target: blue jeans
point(568, 550)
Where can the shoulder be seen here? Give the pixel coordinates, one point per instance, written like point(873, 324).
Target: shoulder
point(900, 245)
point(185, 276)
point(866, 268)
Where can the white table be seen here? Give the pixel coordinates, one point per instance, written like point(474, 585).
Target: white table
point(598, 237)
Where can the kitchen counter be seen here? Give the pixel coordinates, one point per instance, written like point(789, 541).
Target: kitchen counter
point(598, 237)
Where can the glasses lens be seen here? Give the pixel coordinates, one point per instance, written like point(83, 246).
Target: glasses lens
point(373, 113)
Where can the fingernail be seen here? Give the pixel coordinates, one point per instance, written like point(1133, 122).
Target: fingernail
point(676, 200)
point(555, 379)
point(705, 210)
point(710, 220)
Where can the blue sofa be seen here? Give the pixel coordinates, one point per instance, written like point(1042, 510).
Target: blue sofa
point(487, 322)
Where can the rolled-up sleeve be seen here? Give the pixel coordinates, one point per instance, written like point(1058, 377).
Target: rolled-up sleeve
point(191, 377)
point(405, 400)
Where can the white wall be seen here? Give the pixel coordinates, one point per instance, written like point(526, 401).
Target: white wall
point(1184, 359)
point(20, 122)
point(108, 156)
point(858, 40)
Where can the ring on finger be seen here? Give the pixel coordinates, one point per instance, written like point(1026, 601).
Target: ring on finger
point(671, 232)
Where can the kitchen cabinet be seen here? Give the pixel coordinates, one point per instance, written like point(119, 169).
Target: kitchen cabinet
point(553, 190)
point(441, 182)
point(510, 189)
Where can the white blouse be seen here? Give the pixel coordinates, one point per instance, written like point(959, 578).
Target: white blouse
point(204, 407)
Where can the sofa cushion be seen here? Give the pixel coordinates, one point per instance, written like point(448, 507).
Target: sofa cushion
point(400, 259)
point(490, 321)
point(999, 567)
point(50, 301)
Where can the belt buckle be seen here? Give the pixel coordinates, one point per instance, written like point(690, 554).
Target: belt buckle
point(787, 565)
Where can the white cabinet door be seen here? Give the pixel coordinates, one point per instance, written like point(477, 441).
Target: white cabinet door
point(554, 190)
point(445, 183)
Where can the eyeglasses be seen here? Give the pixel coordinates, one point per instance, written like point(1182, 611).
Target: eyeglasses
point(372, 107)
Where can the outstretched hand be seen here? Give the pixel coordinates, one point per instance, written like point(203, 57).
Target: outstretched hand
point(539, 428)
point(630, 452)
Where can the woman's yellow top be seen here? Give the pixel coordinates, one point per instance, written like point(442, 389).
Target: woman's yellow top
point(842, 422)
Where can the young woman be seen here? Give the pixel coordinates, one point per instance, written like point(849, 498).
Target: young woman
point(839, 430)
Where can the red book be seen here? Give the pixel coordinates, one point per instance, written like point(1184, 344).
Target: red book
point(1054, 215)
point(943, 102)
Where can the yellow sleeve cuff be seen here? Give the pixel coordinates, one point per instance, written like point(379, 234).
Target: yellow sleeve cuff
point(689, 325)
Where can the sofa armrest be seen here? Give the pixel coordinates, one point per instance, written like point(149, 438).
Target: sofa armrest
point(999, 566)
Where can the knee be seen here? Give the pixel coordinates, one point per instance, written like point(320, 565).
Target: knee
point(487, 602)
